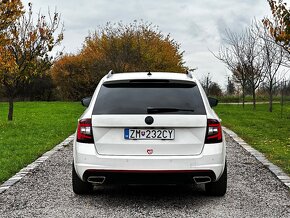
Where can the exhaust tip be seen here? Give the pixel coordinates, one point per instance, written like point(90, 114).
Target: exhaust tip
point(201, 179)
point(96, 180)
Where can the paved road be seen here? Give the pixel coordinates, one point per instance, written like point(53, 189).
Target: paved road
point(46, 192)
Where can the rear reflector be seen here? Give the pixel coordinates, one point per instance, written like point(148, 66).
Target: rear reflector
point(84, 133)
point(214, 131)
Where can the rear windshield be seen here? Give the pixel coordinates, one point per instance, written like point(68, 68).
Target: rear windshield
point(135, 97)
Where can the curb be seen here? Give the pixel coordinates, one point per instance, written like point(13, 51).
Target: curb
point(283, 177)
point(23, 172)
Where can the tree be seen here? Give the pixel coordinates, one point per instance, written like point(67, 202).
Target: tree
point(242, 56)
point(240, 77)
point(26, 51)
point(10, 11)
point(252, 62)
point(211, 88)
point(134, 47)
point(287, 89)
point(272, 55)
point(38, 88)
point(232, 55)
point(205, 82)
point(76, 76)
point(231, 86)
point(279, 25)
point(215, 89)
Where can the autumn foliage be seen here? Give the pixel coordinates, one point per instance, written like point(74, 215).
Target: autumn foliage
point(279, 25)
point(123, 48)
point(75, 76)
point(10, 11)
point(24, 47)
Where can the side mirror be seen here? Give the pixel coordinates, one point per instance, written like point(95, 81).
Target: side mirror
point(86, 101)
point(212, 101)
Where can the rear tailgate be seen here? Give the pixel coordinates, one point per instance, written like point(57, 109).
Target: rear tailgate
point(108, 131)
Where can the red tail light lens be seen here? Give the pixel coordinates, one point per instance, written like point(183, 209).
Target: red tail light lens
point(214, 131)
point(85, 133)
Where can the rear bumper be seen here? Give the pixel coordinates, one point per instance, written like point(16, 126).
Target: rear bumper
point(88, 162)
point(148, 177)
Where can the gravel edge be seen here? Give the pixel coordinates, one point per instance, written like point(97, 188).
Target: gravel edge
point(23, 172)
point(283, 177)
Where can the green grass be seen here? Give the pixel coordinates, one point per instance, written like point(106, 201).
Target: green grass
point(265, 131)
point(37, 127)
point(249, 98)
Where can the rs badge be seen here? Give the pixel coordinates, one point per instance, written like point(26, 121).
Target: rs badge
point(150, 151)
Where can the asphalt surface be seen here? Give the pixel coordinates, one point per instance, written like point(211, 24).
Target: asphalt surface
point(46, 192)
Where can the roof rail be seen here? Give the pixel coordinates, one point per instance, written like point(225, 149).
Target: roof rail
point(111, 72)
point(189, 74)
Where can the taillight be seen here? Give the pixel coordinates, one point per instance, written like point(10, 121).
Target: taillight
point(214, 131)
point(85, 133)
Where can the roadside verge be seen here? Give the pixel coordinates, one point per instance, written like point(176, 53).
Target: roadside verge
point(23, 172)
point(283, 177)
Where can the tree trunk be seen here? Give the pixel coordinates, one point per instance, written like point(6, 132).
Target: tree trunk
point(10, 112)
point(270, 100)
point(243, 96)
point(254, 99)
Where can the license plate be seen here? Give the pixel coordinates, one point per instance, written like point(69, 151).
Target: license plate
point(147, 134)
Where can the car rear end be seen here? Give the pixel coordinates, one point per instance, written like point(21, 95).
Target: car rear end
point(149, 128)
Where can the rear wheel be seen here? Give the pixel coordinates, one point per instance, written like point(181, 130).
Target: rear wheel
point(80, 187)
point(218, 188)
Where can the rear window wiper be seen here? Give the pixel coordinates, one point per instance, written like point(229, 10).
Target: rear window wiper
point(156, 110)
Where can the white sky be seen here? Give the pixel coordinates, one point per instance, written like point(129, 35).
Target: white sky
point(198, 25)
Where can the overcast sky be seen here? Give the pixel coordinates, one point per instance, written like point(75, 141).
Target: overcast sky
point(198, 25)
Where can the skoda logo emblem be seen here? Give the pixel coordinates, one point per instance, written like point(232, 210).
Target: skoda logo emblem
point(149, 120)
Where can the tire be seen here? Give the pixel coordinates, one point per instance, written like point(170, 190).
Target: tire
point(218, 188)
point(80, 187)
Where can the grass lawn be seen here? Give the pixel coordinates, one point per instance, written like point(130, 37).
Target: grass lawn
point(265, 131)
point(37, 127)
point(249, 98)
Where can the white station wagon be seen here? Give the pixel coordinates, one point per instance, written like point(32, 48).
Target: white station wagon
point(149, 128)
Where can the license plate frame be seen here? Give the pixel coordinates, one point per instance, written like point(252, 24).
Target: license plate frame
point(149, 134)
